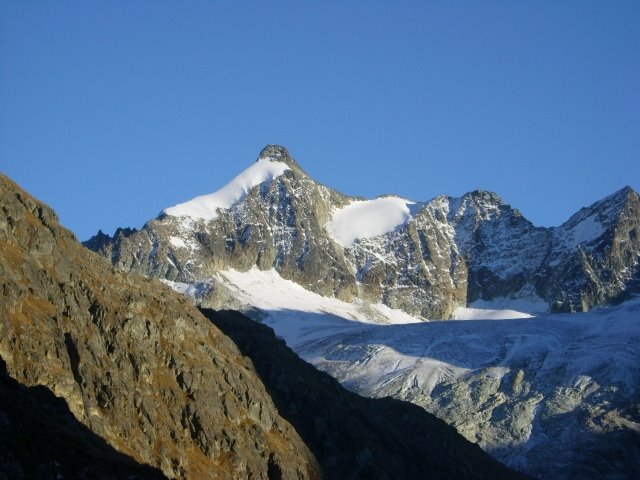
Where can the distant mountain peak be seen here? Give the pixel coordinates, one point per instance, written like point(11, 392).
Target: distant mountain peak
point(272, 162)
point(274, 152)
point(626, 190)
point(278, 153)
point(606, 211)
point(618, 196)
point(485, 194)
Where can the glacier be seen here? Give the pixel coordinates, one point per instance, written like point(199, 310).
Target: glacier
point(522, 387)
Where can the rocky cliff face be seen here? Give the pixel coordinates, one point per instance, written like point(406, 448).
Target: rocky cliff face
point(445, 253)
point(41, 439)
point(137, 364)
point(594, 256)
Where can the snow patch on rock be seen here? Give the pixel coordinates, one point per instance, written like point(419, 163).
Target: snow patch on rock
point(268, 291)
point(583, 232)
point(206, 206)
point(466, 313)
point(177, 242)
point(369, 218)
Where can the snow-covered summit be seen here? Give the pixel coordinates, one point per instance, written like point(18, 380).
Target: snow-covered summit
point(274, 152)
point(206, 207)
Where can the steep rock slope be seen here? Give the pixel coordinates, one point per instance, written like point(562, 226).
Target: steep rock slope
point(352, 436)
point(41, 439)
point(425, 258)
point(135, 362)
point(595, 256)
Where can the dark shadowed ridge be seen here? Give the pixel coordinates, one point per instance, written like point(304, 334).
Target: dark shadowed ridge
point(354, 437)
point(41, 439)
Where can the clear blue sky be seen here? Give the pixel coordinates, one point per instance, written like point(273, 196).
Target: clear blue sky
point(111, 111)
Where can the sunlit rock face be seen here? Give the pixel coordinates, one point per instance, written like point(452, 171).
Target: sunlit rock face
point(424, 258)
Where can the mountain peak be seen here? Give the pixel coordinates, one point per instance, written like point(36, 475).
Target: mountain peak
point(278, 153)
point(614, 203)
point(484, 196)
point(625, 192)
point(274, 152)
point(273, 162)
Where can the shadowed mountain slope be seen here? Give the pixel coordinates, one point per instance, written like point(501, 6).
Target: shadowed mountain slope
point(41, 439)
point(355, 437)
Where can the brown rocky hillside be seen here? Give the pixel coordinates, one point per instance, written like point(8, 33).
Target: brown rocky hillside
point(135, 362)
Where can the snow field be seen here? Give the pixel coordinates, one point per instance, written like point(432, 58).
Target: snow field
point(206, 206)
point(368, 218)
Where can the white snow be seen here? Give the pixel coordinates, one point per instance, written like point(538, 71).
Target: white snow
point(187, 289)
point(395, 316)
point(206, 206)
point(177, 242)
point(465, 313)
point(368, 218)
point(584, 232)
point(524, 301)
point(268, 291)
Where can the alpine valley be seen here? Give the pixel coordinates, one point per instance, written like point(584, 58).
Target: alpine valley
point(526, 339)
point(108, 375)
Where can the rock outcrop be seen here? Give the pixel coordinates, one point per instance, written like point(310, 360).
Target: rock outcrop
point(41, 439)
point(448, 253)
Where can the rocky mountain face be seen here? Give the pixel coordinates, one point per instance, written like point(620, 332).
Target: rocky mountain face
point(105, 374)
point(445, 253)
point(40, 438)
point(137, 364)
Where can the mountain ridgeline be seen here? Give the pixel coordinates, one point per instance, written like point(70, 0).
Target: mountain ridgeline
point(106, 374)
point(428, 259)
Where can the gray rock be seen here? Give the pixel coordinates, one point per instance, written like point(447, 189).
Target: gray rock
point(453, 251)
